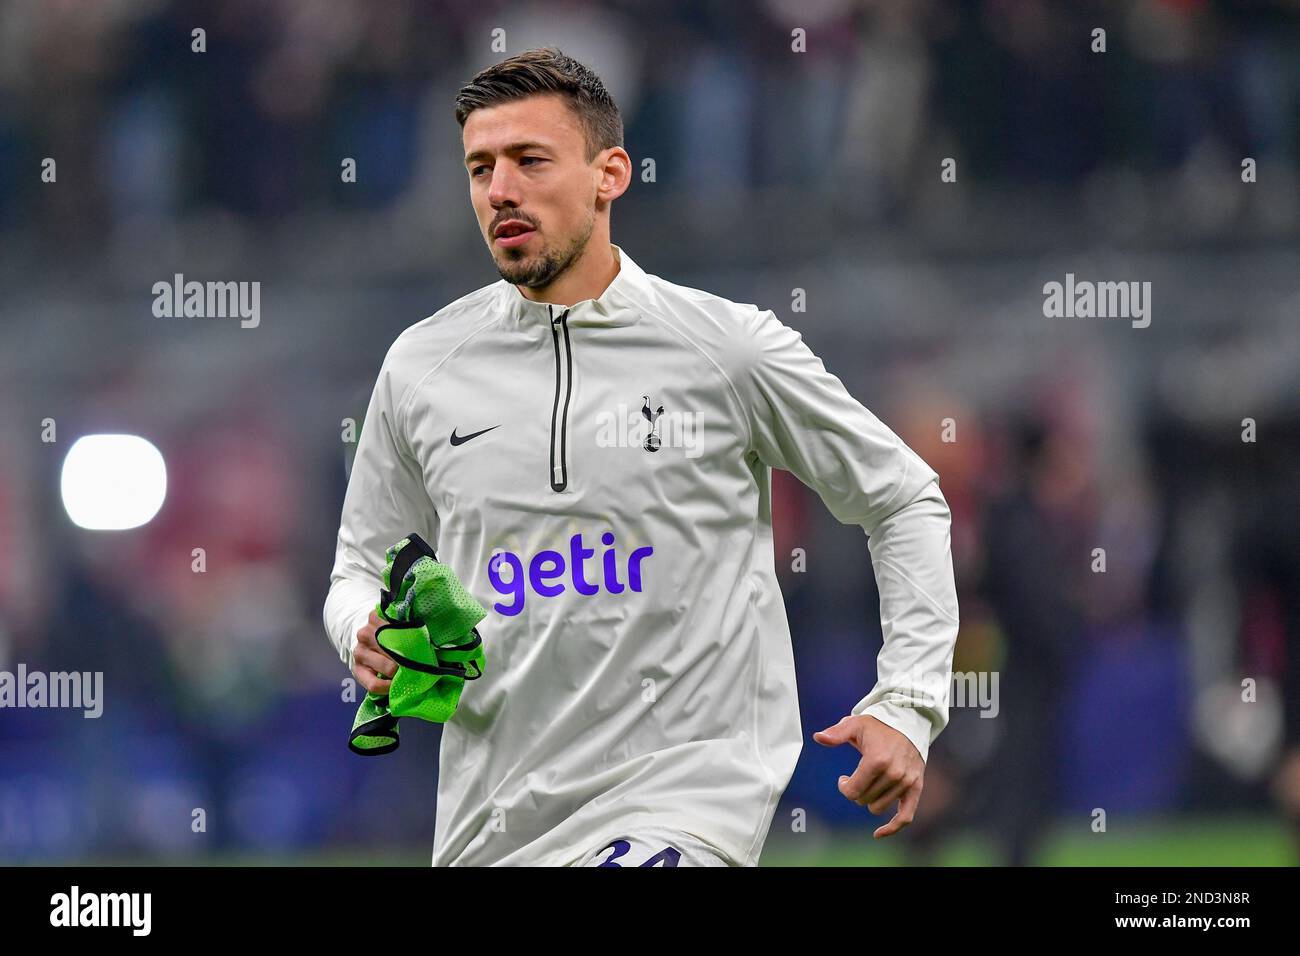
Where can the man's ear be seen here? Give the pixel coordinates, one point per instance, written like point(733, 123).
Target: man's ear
point(616, 174)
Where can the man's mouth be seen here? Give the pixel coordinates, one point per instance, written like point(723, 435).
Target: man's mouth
point(512, 232)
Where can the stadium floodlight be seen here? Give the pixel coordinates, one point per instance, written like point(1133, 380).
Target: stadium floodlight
point(113, 482)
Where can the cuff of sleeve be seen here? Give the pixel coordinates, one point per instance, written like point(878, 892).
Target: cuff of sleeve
point(908, 721)
point(350, 641)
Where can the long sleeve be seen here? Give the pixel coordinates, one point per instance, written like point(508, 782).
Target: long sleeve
point(386, 499)
point(802, 419)
point(911, 556)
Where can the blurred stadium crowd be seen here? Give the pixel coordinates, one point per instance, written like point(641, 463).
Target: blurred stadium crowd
point(772, 171)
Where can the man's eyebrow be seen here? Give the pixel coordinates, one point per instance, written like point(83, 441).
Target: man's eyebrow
point(512, 148)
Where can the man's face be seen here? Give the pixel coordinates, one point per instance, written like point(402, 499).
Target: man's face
point(526, 161)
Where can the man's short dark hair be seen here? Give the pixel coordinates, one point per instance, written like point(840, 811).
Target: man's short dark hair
point(547, 70)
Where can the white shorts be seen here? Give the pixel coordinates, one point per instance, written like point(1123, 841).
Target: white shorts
point(654, 846)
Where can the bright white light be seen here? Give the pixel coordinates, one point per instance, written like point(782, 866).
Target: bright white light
point(113, 482)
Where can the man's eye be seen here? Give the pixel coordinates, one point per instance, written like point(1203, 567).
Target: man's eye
point(536, 159)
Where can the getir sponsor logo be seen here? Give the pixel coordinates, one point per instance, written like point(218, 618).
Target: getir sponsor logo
point(547, 570)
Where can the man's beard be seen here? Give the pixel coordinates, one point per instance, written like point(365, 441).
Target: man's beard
point(545, 268)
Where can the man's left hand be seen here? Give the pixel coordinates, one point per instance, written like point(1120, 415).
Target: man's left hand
point(891, 769)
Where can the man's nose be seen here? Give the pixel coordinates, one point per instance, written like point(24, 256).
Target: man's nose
point(504, 187)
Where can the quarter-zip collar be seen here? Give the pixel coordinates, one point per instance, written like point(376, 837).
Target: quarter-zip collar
point(619, 304)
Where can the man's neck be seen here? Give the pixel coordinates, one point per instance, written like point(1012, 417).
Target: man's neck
point(587, 278)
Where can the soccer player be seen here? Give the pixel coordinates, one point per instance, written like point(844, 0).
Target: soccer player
point(589, 447)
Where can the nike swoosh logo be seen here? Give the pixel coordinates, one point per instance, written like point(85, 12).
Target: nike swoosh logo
point(461, 439)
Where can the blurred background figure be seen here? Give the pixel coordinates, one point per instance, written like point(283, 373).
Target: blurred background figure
point(1034, 534)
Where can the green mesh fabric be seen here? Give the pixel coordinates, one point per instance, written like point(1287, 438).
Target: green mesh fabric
point(430, 612)
point(414, 693)
point(432, 594)
point(375, 729)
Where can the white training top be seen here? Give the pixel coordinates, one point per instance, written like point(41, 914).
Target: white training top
point(599, 478)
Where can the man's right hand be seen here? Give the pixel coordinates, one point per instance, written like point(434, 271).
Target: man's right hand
point(372, 666)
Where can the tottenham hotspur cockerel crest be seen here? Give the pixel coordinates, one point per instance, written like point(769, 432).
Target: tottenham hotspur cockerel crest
point(652, 440)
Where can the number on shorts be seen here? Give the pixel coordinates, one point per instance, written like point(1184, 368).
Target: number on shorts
point(668, 856)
